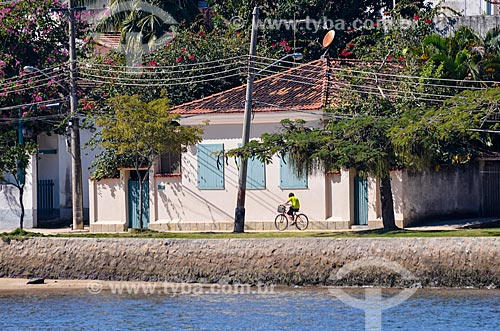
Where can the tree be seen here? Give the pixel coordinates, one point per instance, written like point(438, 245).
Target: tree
point(14, 160)
point(462, 128)
point(142, 131)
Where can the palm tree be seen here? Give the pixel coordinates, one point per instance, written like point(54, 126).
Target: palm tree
point(465, 55)
point(129, 17)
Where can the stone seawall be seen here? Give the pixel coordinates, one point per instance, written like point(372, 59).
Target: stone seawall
point(453, 262)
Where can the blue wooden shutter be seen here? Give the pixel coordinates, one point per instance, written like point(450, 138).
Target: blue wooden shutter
point(256, 173)
point(211, 167)
point(289, 179)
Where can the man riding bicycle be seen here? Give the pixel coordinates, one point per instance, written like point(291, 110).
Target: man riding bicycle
point(294, 203)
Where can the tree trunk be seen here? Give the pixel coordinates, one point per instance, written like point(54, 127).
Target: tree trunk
point(387, 203)
point(21, 203)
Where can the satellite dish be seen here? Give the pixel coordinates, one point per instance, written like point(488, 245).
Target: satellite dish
point(328, 39)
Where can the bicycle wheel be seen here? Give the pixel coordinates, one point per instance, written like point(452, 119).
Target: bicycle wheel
point(301, 222)
point(281, 222)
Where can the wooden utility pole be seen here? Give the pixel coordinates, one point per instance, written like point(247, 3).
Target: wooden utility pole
point(239, 217)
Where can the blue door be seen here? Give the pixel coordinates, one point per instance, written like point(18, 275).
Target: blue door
point(360, 201)
point(133, 204)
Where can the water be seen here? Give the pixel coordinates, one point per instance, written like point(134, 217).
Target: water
point(290, 309)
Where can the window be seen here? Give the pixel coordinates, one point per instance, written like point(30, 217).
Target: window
point(256, 173)
point(211, 166)
point(170, 163)
point(289, 178)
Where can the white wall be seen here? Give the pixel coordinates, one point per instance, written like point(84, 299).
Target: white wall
point(58, 168)
point(469, 7)
point(182, 201)
point(9, 201)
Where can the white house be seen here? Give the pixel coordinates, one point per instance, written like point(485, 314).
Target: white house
point(198, 190)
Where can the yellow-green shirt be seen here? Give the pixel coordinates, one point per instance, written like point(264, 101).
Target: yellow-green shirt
point(295, 202)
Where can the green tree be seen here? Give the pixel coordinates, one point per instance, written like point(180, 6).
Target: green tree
point(142, 131)
point(465, 55)
point(14, 160)
point(455, 132)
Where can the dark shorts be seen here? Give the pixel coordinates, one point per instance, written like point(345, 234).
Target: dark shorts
point(291, 210)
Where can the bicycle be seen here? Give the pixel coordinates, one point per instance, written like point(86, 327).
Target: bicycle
point(281, 220)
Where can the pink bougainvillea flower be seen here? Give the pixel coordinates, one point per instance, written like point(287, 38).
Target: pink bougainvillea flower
point(350, 45)
point(274, 46)
point(287, 48)
point(183, 50)
point(416, 18)
point(346, 53)
point(427, 20)
point(153, 63)
point(401, 58)
point(283, 43)
point(389, 57)
point(191, 57)
point(179, 59)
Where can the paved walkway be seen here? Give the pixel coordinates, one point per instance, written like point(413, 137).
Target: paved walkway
point(434, 226)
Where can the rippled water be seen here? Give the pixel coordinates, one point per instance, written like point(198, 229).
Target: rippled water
point(291, 309)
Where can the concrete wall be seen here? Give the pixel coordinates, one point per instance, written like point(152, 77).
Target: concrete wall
point(454, 262)
point(452, 191)
point(470, 7)
point(10, 209)
point(108, 204)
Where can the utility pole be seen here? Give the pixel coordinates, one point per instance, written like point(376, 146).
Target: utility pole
point(76, 164)
point(239, 217)
point(74, 125)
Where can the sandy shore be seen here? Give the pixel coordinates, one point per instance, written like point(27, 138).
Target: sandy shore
point(18, 285)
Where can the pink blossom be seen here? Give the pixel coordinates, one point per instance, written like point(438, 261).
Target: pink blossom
point(416, 17)
point(191, 57)
point(153, 63)
point(287, 48)
point(283, 43)
point(179, 59)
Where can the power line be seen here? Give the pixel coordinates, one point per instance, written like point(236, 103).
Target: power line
point(153, 71)
point(389, 75)
point(171, 66)
point(146, 79)
point(373, 73)
point(33, 103)
point(156, 85)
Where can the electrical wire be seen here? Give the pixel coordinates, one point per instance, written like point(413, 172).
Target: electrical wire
point(42, 83)
point(157, 85)
point(171, 66)
point(388, 75)
point(34, 103)
point(153, 71)
point(372, 73)
point(159, 79)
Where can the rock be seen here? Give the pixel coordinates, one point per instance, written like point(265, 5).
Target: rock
point(36, 281)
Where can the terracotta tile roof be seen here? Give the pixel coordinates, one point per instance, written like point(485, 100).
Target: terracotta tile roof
point(307, 87)
point(299, 88)
point(104, 42)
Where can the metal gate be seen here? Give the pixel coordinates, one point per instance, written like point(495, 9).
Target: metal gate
point(360, 201)
point(490, 183)
point(45, 198)
point(133, 204)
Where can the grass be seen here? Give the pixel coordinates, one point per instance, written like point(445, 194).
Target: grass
point(485, 232)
